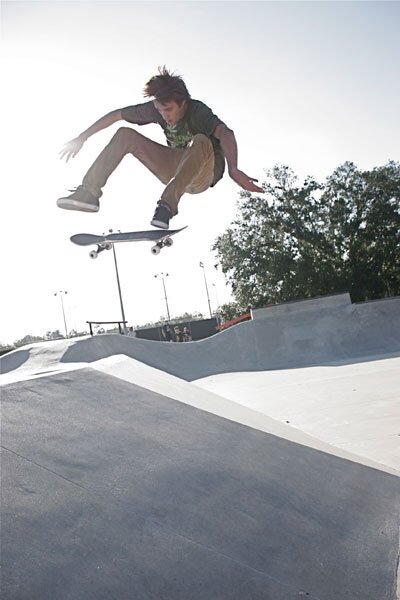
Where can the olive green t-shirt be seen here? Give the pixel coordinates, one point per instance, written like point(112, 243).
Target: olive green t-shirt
point(198, 118)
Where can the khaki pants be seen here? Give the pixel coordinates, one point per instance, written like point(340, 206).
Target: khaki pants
point(182, 170)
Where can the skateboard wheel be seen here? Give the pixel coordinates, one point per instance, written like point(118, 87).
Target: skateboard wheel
point(155, 250)
point(168, 242)
point(93, 254)
point(108, 246)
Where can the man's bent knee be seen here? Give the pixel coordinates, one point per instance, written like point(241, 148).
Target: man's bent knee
point(126, 133)
point(130, 140)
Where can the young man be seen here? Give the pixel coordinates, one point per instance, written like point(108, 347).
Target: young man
point(194, 159)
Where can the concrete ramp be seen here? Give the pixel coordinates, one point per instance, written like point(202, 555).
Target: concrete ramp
point(123, 479)
point(111, 490)
point(354, 407)
point(299, 334)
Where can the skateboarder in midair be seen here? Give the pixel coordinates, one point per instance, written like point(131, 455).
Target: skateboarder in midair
point(194, 159)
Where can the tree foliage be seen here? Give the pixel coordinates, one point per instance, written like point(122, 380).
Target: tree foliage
point(298, 241)
point(231, 310)
point(184, 318)
point(28, 339)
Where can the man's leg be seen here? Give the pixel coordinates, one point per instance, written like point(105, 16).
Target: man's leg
point(181, 170)
point(194, 172)
point(161, 160)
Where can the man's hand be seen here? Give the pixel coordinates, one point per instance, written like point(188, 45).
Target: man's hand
point(72, 148)
point(245, 182)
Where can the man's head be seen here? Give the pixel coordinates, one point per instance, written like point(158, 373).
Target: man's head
point(170, 95)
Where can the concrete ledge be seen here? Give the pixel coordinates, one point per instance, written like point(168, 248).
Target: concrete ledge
point(300, 306)
point(318, 331)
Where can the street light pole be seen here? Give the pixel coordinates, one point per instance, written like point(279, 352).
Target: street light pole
point(216, 293)
point(205, 282)
point(119, 287)
point(61, 293)
point(119, 291)
point(165, 291)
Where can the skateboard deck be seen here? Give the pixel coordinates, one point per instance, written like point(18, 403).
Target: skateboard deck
point(162, 237)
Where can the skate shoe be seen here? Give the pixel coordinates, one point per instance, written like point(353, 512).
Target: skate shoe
point(161, 216)
point(80, 199)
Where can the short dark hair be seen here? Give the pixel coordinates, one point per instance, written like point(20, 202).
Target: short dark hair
point(166, 87)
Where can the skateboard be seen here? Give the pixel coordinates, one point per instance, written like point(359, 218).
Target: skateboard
point(161, 237)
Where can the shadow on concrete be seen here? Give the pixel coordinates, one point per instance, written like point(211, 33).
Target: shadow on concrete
point(114, 491)
point(13, 360)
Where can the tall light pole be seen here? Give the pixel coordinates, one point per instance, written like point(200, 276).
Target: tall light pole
point(214, 285)
point(61, 293)
point(119, 287)
point(205, 282)
point(162, 275)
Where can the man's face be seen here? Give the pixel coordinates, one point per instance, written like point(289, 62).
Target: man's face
point(171, 112)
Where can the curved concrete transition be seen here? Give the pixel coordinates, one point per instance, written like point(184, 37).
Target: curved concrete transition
point(320, 331)
point(246, 466)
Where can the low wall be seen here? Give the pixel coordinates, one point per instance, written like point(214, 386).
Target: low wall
point(320, 331)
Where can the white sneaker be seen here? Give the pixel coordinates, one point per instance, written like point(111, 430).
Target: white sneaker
point(80, 199)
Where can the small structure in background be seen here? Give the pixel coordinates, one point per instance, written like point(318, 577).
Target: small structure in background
point(121, 325)
point(245, 317)
point(194, 330)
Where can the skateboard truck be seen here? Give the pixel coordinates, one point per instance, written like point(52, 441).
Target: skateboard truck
point(164, 242)
point(100, 248)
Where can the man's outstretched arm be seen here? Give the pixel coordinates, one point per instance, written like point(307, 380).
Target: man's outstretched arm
point(72, 147)
point(229, 147)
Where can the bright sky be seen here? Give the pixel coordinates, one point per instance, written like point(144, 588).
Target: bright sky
point(307, 84)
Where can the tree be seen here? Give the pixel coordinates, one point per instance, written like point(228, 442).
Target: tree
point(302, 241)
point(4, 348)
point(74, 333)
point(180, 319)
point(54, 335)
point(231, 310)
point(28, 339)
